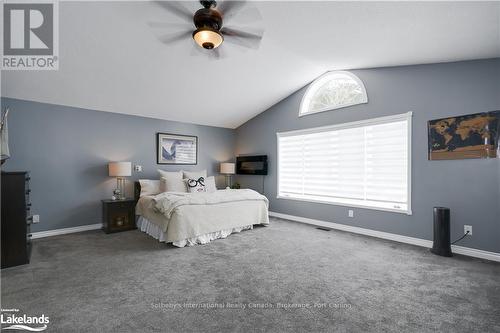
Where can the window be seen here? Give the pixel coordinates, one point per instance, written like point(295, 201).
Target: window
point(333, 90)
point(361, 164)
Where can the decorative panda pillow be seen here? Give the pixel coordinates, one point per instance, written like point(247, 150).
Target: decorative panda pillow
point(195, 185)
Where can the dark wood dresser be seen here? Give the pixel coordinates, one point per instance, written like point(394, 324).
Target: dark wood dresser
point(16, 219)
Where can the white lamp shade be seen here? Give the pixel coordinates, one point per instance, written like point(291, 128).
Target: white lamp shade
point(120, 169)
point(227, 168)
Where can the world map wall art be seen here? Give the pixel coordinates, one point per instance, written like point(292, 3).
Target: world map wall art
point(470, 136)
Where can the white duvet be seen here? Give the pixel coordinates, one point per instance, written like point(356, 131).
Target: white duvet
point(183, 216)
point(166, 203)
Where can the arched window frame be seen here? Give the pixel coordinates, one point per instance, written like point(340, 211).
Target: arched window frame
point(318, 83)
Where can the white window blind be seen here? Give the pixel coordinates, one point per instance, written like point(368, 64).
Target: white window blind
point(361, 164)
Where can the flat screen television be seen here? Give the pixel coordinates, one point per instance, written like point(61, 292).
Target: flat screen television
point(251, 165)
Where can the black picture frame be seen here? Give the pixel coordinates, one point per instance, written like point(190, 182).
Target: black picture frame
point(160, 145)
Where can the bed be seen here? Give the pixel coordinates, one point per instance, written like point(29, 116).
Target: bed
point(189, 219)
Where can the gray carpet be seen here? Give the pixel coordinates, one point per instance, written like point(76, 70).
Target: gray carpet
point(128, 282)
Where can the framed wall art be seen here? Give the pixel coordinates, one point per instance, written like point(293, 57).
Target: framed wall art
point(470, 136)
point(176, 149)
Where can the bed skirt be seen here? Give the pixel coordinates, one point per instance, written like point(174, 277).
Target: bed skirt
point(154, 231)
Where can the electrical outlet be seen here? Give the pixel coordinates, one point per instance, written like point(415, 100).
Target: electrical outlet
point(350, 213)
point(138, 168)
point(36, 218)
point(468, 228)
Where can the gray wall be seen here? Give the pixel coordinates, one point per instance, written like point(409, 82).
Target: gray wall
point(469, 187)
point(67, 150)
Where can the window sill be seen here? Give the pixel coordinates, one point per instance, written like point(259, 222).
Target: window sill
point(384, 209)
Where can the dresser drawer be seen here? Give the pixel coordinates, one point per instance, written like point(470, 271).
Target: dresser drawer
point(16, 219)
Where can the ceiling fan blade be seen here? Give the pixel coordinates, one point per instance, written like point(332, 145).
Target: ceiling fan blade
point(177, 9)
point(242, 42)
point(247, 39)
point(247, 15)
point(168, 25)
point(175, 37)
point(226, 31)
point(230, 8)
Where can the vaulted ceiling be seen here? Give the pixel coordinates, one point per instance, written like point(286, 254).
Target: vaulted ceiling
point(112, 59)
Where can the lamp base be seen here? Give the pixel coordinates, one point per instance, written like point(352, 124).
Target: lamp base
point(228, 181)
point(119, 193)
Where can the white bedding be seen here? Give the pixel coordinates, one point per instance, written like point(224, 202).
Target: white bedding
point(154, 231)
point(184, 218)
point(167, 203)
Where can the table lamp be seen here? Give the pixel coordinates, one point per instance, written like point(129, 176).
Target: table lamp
point(228, 170)
point(120, 170)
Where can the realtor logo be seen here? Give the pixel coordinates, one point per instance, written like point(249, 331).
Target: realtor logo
point(13, 319)
point(30, 36)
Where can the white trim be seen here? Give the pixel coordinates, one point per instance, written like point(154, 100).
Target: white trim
point(410, 160)
point(354, 205)
point(467, 251)
point(407, 116)
point(372, 121)
point(313, 87)
point(64, 231)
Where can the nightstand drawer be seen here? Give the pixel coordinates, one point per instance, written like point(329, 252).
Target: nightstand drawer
point(118, 222)
point(118, 215)
point(120, 208)
point(120, 205)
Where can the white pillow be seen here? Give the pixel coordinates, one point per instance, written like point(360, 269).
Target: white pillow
point(195, 174)
point(210, 184)
point(172, 185)
point(195, 185)
point(149, 187)
point(170, 174)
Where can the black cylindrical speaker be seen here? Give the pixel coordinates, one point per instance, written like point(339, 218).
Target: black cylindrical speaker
point(441, 245)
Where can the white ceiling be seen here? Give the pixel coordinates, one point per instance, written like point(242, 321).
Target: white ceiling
point(112, 60)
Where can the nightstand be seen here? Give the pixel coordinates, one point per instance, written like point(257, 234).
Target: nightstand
point(118, 215)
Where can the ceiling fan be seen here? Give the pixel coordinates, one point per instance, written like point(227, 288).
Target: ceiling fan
point(209, 32)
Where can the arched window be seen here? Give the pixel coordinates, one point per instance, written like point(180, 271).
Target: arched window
point(333, 90)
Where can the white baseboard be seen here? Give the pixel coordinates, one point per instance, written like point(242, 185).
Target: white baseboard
point(55, 232)
point(467, 251)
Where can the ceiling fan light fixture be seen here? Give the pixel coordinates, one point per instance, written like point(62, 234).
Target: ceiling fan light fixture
point(208, 38)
